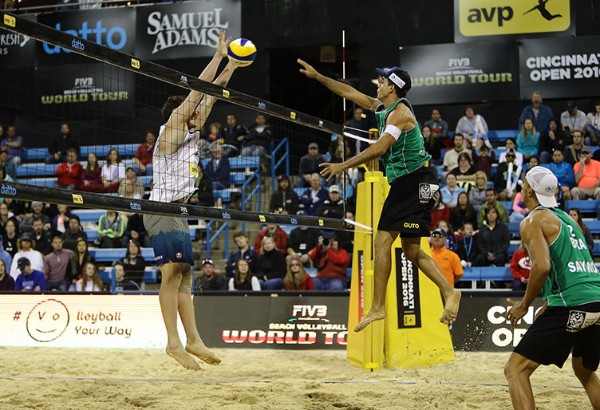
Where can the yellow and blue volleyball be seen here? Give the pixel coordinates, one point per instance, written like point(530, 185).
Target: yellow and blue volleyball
point(241, 52)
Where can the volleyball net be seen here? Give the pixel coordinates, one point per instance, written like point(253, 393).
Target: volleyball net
point(115, 102)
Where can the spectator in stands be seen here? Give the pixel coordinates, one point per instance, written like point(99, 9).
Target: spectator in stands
point(471, 125)
point(493, 241)
point(91, 176)
point(10, 238)
point(361, 120)
point(133, 261)
point(573, 119)
point(467, 247)
point(438, 127)
point(13, 143)
point(528, 140)
point(234, 134)
point(80, 258)
point(465, 171)
point(301, 240)
point(244, 252)
point(491, 202)
point(68, 174)
point(111, 227)
point(309, 165)
point(519, 210)
point(450, 191)
point(121, 283)
point(575, 213)
point(346, 238)
point(271, 265)
point(314, 196)
point(296, 277)
point(142, 159)
point(90, 281)
point(218, 168)
point(272, 231)
point(573, 151)
point(10, 170)
point(42, 238)
point(520, 268)
point(4, 176)
point(285, 198)
point(507, 177)
point(29, 279)
point(113, 171)
point(446, 260)
point(592, 126)
point(539, 113)
point(6, 215)
point(259, 137)
point(477, 193)
point(136, 230)
point(339, 150)
point(331, 261)
point(215, 133)
point(587, 176)
point(433, 146)
point(243, 278)
point(511, 143)
point(554, 138)
point(440, 211)
point(60, 145)
point(74, 233)
point(450, 240)
point(533, 162)
point(451, 157)
point(17, 207)
point(463, 212)
point(5, 256)
point(563, 171)
point(131, 186)
point(60, 222)
point(209, 279)
point(333, 206)
point(36, 211)
point(7, 283)
point(57, 266)
point(204, 194)
point(344, 180)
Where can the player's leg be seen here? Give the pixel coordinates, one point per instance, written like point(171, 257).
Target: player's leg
point(383, 266)
point(589, 380)
point(413, 252)
point(517, 371)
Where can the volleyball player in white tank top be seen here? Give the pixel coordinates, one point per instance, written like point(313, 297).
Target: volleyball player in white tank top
point(175, 168)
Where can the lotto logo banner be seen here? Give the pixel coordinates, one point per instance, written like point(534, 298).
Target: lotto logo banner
point(185, 30)
point(560, 67)
point(484, 18)
point(452, 73)
point(407, 291)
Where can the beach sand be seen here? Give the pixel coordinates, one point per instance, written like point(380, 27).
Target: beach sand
point(93, 379)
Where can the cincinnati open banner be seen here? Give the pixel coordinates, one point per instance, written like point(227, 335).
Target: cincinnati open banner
point(454, 73)
point(560, 67)
point(185, 30)
point(477, 19)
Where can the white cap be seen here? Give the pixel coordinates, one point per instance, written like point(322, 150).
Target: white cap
point(544, 184)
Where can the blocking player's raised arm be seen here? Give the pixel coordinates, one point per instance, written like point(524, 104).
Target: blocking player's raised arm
point(209, 101)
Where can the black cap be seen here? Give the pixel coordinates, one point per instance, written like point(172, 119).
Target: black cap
point(571, 104)
point(282, 177)
point(439, 231)
point(22, 262)
point(26, 237)
point(397, 76)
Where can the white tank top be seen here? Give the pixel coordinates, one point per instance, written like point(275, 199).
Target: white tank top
point(174, 175)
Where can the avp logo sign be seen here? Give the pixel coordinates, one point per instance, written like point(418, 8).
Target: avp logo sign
point(98, 32)
point(504, 17)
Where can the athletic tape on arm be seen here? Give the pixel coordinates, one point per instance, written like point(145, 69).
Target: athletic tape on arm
point(393, 131)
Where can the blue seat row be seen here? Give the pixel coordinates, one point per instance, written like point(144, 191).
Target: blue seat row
point(110, 255)
point(125, 151)
point(108, 276)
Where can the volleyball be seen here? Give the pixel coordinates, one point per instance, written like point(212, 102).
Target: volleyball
point(241, 52)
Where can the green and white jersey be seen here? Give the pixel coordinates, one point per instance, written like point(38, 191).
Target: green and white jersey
point(574, 278)
point(408, 153)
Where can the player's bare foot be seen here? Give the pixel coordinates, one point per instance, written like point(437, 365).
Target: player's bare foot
point(183, 358)
point(201, 352)
point(451, 308)
point(369, 318)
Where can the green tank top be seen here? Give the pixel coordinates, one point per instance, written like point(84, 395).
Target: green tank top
point(408, 153)
point(574, 278)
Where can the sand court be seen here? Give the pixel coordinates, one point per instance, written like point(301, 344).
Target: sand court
point(94, 379)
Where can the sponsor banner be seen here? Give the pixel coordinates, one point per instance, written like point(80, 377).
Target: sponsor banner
point(482, 324)
point(114, 321)
point(282, 322)
point(17, 50)
point(85, 90)
point(474, 19)
point(112, 28)
point(454, 73)
point(560, 67)
point(407, 293)
point(185, 30)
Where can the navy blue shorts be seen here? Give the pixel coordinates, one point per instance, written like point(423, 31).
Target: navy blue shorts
point(171, 239)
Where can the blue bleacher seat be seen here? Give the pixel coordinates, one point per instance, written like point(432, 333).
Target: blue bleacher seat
point(585, 206)
point(105, 275)
point(498, 273)
point(501, 135)
point(36, 153)
point(593, 225)
point(45, 182)
point(596, 251)
point(110, 255)
point(513, 228)
point(36, 170)
point(244, 162)
point(470, 274)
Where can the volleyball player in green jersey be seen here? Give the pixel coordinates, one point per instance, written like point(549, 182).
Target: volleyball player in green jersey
point(564, 271)
point(413, 188)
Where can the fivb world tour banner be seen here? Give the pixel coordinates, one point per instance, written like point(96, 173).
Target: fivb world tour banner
point(477, 19)
point(453, 73)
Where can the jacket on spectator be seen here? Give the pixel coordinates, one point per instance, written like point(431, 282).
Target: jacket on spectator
point(62, 144)
point(520, 265)
point(287, 200)
point(540, 121)
point(112, 230)
point(250, 255)
point(144, 154)
point(495, 241)
point(271, 264)
point(330, 264)
point(560, 141)
point(69, 174)
point(57, 266)
point(500, 209)
point(262, 137)
point(564, 173)
point(468, 248)
point(70, 238)
point(280, 239)
point(310, 164)
point(311, 204)
point(219, 172)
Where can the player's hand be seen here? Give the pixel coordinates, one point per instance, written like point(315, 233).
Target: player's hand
point(308, 70)
point(517, 311)
point(330, 170)
point(223, 44)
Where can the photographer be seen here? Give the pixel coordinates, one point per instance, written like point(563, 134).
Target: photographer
point(331, 261)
